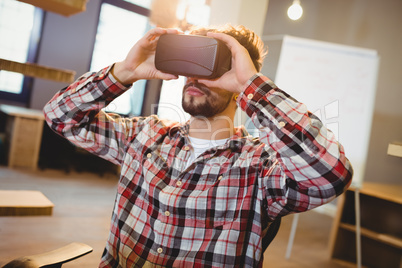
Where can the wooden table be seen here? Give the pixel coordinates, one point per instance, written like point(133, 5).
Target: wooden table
point(24, 203)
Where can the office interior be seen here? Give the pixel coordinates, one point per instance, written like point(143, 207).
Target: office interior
point(82, 187)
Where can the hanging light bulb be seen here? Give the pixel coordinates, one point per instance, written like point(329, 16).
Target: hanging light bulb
point(295, 11)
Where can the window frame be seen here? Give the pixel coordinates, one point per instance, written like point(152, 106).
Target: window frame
point(129, 6)
point(121, 4)
point(136, 9)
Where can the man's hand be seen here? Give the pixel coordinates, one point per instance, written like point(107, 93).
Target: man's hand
point(242, 66)
point(139, 63)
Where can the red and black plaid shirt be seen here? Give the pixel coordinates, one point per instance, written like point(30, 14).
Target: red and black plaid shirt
point(215, 212)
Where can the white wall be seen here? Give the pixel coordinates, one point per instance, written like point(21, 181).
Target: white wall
point(248, 13)
point(364, 23)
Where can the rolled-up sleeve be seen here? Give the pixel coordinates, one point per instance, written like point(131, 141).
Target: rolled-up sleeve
point(309, 167)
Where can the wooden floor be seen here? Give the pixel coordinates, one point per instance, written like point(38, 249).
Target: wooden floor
point(83, 204)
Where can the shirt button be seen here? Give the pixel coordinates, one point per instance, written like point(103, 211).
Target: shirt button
point(167, 213)
point(186, 148)
point(220, 177)
point(149, 155)
point(282, 124)
point(179, 183)
point(159, 250)
point(250, 96)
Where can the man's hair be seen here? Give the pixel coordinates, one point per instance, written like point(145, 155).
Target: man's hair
point(246, 37)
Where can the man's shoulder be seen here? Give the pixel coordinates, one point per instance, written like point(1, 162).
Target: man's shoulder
point(162, 122)
point(159, 124)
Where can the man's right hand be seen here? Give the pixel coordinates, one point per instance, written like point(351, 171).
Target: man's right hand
point(139, 62)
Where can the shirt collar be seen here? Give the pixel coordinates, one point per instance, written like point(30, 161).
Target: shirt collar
point(236, 140)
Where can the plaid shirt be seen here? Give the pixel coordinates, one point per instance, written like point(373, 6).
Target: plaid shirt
point(216, 212)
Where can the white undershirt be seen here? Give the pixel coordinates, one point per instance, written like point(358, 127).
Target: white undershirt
point(200, 145)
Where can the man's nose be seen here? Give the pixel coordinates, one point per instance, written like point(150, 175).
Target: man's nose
point(192, 80)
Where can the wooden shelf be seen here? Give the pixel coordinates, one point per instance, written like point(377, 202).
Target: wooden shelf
point(347, 264)
point(389, 192)
point(380, 226)
point(381, 237)
point(395, 149)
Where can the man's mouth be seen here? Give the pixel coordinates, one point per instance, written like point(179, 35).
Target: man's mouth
point(195, 90)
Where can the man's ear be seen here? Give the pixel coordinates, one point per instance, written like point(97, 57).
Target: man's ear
point(234, 100)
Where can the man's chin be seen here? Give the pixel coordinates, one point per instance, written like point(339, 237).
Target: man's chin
point(202, 106)
point(196, 111)
point(194, 100)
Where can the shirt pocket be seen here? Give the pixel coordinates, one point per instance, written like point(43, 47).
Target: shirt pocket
point(154, 167)
point(219, 205)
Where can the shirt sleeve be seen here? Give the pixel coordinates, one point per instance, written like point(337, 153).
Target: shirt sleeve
point(307, 165)
point(76, 113)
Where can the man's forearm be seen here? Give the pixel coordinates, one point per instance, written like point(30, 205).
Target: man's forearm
point(307, 151)
point(88, 94)
point(121, 74)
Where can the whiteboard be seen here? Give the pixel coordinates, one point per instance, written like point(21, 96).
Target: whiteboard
point(337, 83)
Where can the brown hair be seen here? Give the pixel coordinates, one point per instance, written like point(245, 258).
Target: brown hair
point(246, 37)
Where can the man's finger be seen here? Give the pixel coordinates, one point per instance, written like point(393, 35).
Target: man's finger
point(227, 39)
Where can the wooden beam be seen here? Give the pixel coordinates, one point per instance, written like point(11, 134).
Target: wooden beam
point(62, 7)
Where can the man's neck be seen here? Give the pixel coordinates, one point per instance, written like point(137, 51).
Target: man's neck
point(215, 128)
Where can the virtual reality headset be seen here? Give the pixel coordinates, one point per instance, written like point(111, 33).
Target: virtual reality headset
point(192, 56)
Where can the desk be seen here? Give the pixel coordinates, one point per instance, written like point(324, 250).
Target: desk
point(23, 135)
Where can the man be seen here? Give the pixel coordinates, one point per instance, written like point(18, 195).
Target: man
point(203, 193)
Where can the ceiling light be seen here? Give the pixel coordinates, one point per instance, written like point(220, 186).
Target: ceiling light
point(295, 11)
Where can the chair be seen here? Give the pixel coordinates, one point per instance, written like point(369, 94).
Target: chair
point(271, 233)
point(51, 259)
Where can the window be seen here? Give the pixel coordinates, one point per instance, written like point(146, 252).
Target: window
point(20, 25)
point(121, 25)
point(195, 12)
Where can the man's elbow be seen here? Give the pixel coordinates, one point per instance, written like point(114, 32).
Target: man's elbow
point(340, 176)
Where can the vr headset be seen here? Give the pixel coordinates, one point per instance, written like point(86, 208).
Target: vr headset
point(192, 56)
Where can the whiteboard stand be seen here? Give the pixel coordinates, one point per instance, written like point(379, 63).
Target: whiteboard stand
point(292, 235)
point(358, 229)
